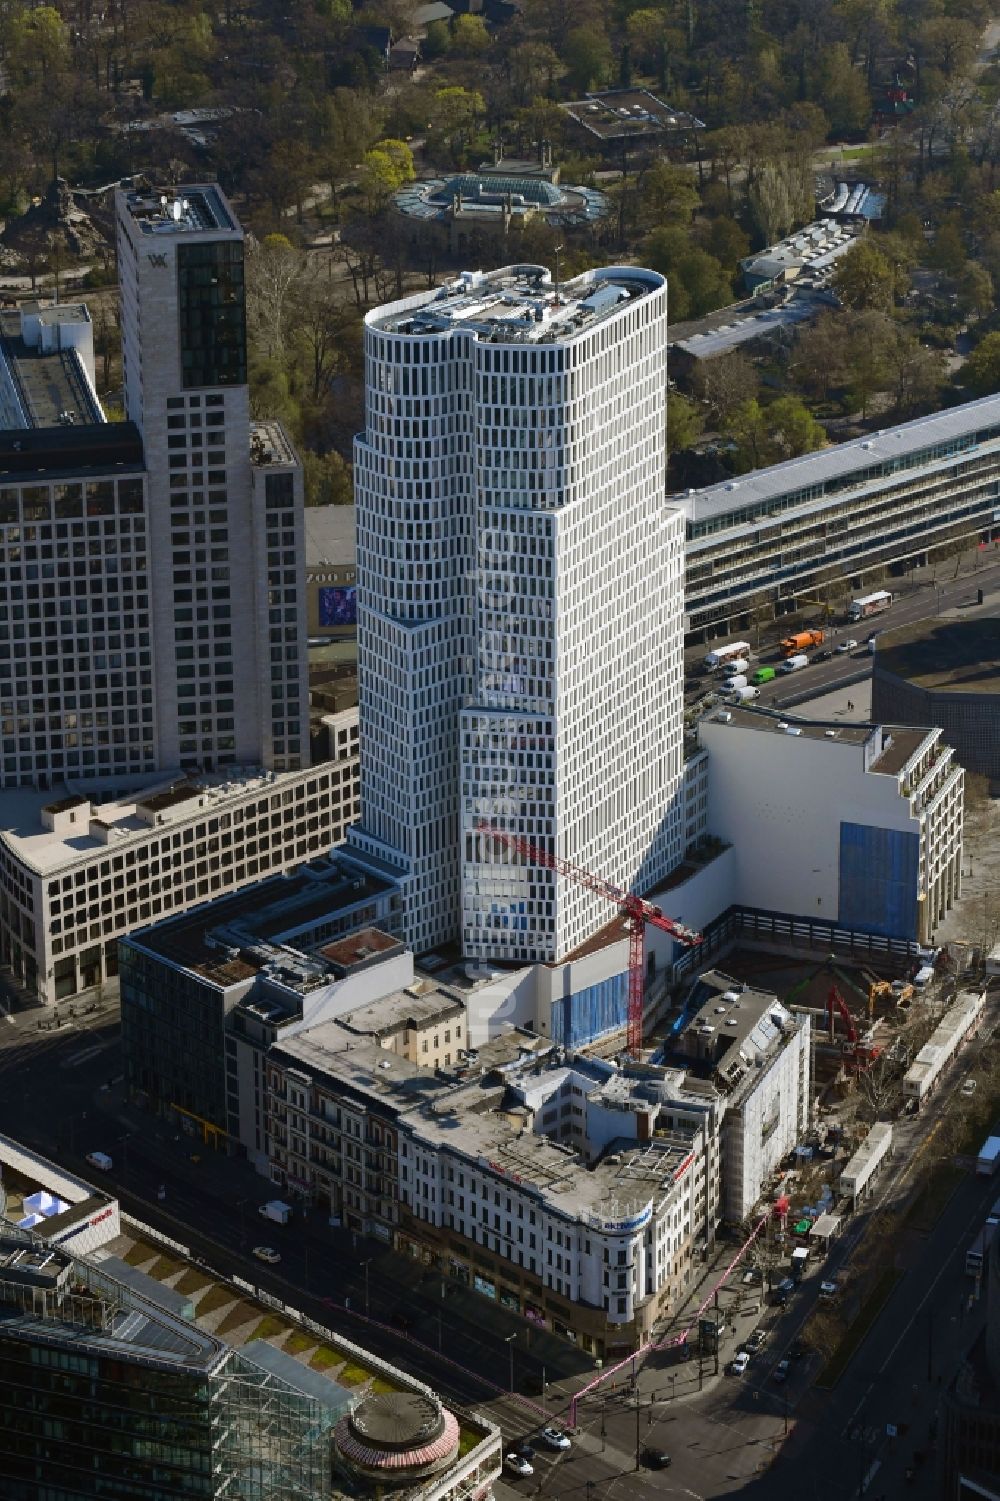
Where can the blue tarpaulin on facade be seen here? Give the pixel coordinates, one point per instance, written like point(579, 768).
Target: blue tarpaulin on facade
point(578, 1019)
point(879, 880)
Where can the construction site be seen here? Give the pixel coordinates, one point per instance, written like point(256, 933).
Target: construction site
point(857, 1016)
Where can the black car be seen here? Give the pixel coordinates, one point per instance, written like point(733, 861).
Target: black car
point(525, 1450)
point(823, 656)
point(797, 1349)
point(655, 1459)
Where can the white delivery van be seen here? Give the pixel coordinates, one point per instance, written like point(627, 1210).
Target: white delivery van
point(744, 695)
point(275, 1210)
point(731, 684)
point(792, 664)
point(100, 1160)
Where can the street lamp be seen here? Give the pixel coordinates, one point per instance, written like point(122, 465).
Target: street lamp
point(366, 1265)
point(509, 1342)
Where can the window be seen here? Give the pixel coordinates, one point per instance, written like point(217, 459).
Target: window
point(211, 314)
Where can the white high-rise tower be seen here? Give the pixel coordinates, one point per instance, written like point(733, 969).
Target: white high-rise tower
point(520, 603)
point(224, 494)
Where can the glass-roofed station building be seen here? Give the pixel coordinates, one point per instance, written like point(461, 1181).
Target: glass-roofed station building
point(460, 213)
point(762, 544)
point(105, 1394)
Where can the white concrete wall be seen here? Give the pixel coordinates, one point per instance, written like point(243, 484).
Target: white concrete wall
point(101, 1224)
point(696, 902)
point(780, 800)
point(327, 1002)
point(507, 1001)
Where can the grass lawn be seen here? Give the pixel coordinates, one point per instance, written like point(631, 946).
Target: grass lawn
point(138, 1254)
point(192, 1281)
point(467, 1442)
point(870, 1310)
point(216, 1297)
point(352, 1375)
point(236, 1317)
point(268, 1328)
point(383, 1384)
point(297, 1342)
point(164, 1267)
point(323, 1358)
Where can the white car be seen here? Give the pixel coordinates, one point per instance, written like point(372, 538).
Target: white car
point(519, 1464)
point(969, 1087)
point(555, 1438)
point(740, 1362)
point(268, 1254)
point(848, 645)
point(828, 1289)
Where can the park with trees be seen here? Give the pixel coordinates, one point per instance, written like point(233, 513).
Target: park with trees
point(313, 129)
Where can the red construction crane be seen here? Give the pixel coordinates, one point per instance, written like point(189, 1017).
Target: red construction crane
point(836, 999)
point(861, 1050)
point(637, 914)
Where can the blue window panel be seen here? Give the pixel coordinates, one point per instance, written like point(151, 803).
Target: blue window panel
point(879, 880)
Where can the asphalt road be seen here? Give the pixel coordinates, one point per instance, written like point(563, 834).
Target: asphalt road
point(918, 599)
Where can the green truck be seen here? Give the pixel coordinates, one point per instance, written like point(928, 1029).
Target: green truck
point(763, 675)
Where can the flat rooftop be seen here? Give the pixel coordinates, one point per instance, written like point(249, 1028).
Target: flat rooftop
point(771, 722)
point(359, 948)
point(846, 465)
point(71, 449)
point(610, 1190)
point(256, 920)
point(269, 445)
point(518, 304)
point(731, 327)
point(945, 654)
point(619, 113)
point(331, 536)
point(170, 801)
point(900, 745)
point(418, 1005)
point(52, 387)
point(186, 209)
point(331, 1051)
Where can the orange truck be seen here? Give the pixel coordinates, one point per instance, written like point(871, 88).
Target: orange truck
point(801, 641)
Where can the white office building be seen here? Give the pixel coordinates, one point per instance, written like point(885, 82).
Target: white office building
point(758, 1056)
point(79, 873)
point(857, 825)
point(224, 496)
point(520, 603)
point(833, 522)
point(153, 697)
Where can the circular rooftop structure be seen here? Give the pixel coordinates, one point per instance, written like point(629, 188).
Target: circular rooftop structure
point(944, 671)
point(490, 195)
point(397, 1438)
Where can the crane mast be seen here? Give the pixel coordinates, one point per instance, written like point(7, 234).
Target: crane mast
point(635, 909)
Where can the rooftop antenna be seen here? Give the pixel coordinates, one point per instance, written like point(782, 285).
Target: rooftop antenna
point(556, 252)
